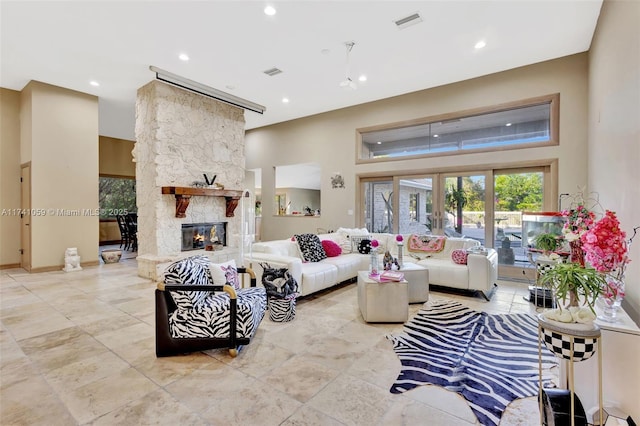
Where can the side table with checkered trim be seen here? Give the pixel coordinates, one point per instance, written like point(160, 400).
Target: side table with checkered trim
point(571, 345)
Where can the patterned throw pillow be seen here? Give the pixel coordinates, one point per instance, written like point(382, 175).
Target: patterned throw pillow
point(331, 248)
point(365, 246)
point(192, 270)
point(356, 240)
point(347, 238)
point(225, 273)
point(310, 247)
point(459, 256)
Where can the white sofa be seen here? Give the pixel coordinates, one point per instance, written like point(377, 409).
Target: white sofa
point(479, 274)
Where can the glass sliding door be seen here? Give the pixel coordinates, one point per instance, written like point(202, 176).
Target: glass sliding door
point(485, 205)
point(415, 205)
point(515, 191)
point(463, 205)
point(378, 205)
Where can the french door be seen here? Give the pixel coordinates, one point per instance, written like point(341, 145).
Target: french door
point(485, 205)
point(451, 204)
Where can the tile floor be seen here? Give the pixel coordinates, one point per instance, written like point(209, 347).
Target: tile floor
point(78, 348)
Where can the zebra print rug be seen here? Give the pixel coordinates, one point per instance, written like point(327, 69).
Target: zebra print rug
point(489, 359)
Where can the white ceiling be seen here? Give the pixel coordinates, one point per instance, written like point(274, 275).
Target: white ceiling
point(231, 43)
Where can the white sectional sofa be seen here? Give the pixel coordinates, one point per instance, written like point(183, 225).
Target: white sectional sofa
point(479, 274)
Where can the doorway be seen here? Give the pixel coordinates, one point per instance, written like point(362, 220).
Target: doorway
point(25, 219)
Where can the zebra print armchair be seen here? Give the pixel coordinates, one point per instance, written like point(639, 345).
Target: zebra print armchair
point(194, 317)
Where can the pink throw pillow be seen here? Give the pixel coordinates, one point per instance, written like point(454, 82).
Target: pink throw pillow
point(332, 249)
point(459, 256)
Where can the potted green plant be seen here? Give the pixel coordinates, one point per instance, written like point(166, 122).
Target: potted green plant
point(546, 242)
point(580, 285)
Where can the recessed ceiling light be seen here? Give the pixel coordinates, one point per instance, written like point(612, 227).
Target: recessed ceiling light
point(480, 44)
point(285, 100)
point(435, 136)
point(325, 51)
point(362, 78)
point(183, 57)
point(270, 10)
point(94, 83)
point(379, 143)
point(508, 124)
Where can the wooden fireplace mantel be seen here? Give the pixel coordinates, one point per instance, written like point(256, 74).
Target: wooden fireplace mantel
point(183, 196)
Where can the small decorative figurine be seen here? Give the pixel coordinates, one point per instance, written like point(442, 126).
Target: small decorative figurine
point(71, 260)
point(387, 261)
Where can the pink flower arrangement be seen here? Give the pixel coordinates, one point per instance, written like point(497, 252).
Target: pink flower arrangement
point(579, 220)
point(374, 243)
point(605, 246)
point(399, 238)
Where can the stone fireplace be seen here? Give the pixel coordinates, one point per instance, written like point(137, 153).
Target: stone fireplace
point(181, 136)
point(207, 236)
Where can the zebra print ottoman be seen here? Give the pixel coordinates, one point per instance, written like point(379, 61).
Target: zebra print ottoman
point(282, 310)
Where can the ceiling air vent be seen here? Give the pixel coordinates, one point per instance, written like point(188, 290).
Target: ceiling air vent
point(408, 21)
point(272, 71)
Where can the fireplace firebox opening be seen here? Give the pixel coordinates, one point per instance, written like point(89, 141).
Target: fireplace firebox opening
point(197, 236)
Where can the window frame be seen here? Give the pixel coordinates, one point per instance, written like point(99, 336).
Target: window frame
point(554, 114)
point(112, 176)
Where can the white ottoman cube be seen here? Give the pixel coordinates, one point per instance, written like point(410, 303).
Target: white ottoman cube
point(418, 278)
point(382, 302)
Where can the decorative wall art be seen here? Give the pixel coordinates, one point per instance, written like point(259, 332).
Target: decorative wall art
point(337, 181)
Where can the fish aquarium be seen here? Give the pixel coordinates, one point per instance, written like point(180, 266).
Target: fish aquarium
point(536, 223)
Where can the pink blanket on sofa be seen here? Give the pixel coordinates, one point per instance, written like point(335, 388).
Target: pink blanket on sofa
point(426, 243)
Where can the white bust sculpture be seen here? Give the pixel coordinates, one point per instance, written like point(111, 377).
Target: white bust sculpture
point(71, 260)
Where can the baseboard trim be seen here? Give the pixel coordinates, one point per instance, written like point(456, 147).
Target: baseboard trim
point(61, 267)
point(10, 266)
point(46, 269)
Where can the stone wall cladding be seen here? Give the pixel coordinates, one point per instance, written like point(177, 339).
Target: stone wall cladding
point(179, 136)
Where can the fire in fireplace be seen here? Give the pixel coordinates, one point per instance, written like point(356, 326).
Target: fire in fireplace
point(196, 236)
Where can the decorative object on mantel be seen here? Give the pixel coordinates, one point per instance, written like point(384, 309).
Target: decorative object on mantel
point(71, 260)
point(337, 181)
point(209, 182)
point(183, 196)
point(597, 262)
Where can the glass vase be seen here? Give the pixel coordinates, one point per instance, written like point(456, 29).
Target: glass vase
point(400, 250)
point(611, 299)
point(373, 266)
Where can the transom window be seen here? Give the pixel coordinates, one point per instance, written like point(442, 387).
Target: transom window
point(522, 124)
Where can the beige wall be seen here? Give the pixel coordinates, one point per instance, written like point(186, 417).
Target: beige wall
point(614, 122)
point(116, 158)
point(614, 173)
point(318, 138)
point(9, 177)
point(64, 172)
